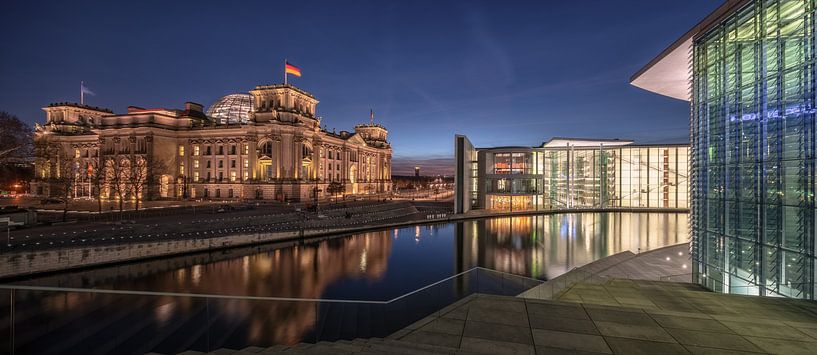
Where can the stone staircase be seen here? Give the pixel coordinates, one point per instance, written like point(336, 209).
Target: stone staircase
point(619, 316)
point(357, 346)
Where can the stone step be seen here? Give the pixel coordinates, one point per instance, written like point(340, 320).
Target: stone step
point(252, 349)
point(419, 346)
point(275, 349)
point(396, 349)
point(348, 347)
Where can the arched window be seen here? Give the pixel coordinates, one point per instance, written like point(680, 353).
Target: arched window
point(266, 149)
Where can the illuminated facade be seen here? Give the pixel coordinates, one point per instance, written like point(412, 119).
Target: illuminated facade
point(267, 144)
point(753, 143)
point(571, 173)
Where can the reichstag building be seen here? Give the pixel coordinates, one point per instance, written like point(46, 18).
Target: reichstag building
point(265, 144)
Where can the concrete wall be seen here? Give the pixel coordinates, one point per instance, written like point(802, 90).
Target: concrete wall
point(27, 263)
point(28, 218)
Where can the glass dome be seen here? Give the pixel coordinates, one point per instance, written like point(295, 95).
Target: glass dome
point(233, 108)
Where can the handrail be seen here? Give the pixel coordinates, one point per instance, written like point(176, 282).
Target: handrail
point(667, 277)
point(240, 297)
point(177, 294)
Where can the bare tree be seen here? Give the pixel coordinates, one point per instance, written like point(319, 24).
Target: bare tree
point(158, 168)
point(16, 142)
point(67, 179)
point(96, 175)
point(117, 175)
point(146, 174)
point(139, 177)
point(334, 188)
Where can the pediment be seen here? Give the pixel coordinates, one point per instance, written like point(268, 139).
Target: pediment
point(355, 139)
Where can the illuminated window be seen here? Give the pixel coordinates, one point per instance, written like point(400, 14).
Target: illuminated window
point(246, 175)
point(246, 163)
point(76, 153)
point(232, 176)
point(181, 168)
point(195, 176)
point(181, 150)
point(511, 163)
point(246, 149)
point(195, 164)
point(196, 150)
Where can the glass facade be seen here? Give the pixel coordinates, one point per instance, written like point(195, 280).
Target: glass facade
point(752, 153)
point(547, 178)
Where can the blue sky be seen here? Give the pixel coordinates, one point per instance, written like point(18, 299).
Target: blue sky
point(503, 73)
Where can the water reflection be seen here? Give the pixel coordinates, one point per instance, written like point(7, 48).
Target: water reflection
point(368, 266)
point(546, 246)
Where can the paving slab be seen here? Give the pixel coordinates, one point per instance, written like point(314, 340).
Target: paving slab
point(701, 350)
point(433, 338)
point(653, 333)
point(485, 346)
point(570, 341)
point(565, 325)
point(766, 331)
point(445, 325)
point(536, 310)
point(636, 347)
point(713, 340)
point(481, 314)
point(690, 323)
point(781, 346)
point(621, 317)
point(498, 332)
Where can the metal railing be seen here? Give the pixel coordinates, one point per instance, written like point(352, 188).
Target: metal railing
point(45, 319)
point(685, 277)
point(553, 288)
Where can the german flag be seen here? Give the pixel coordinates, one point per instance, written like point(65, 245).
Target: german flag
point(291, 69)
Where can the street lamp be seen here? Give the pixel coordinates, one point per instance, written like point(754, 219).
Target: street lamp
point(315, 191)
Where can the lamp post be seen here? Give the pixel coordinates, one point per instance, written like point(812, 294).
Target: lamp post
point(303, 224)
point(315, 192)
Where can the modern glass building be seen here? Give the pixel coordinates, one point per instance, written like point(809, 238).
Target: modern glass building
point(748, 71)
point(568, 173)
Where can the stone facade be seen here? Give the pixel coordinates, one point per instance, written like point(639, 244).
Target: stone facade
point(280, 153)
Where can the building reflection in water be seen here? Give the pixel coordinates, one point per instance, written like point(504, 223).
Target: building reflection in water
point(546, 246)
point(369, 266)
point(300, 271)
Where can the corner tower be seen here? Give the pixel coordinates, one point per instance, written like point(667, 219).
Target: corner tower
point(284, 103)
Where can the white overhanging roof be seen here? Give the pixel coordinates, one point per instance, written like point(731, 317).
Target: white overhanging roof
point(669, 74)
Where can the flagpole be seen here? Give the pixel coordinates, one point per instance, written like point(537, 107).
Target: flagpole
point(81, 93)
point(285, 71)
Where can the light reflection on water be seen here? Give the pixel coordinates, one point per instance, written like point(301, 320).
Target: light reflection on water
point(369, 266)
point(547, 246)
